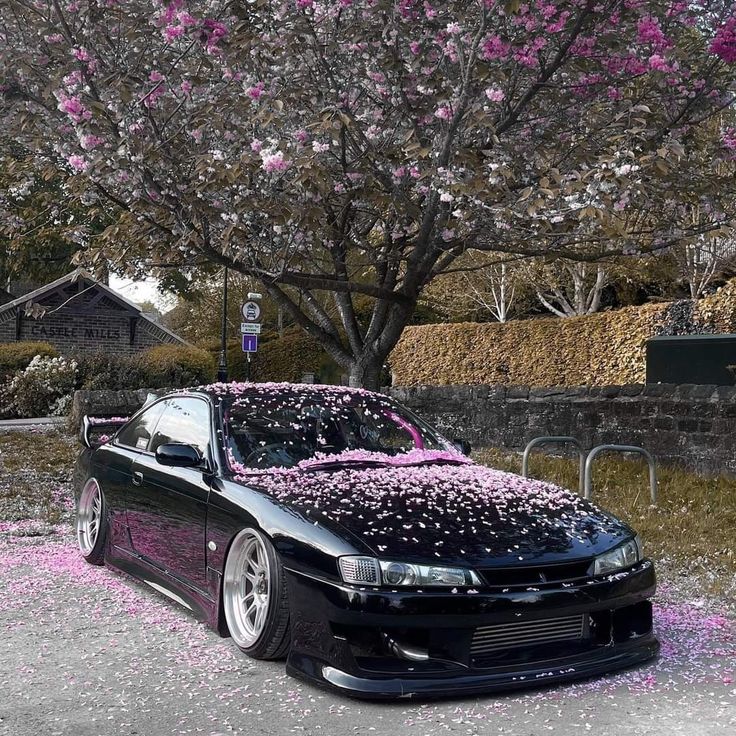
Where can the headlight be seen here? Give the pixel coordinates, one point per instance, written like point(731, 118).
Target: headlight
point(623, 556)
point(369, 571)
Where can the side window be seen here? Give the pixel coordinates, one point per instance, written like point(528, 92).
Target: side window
point(138, 433)
point(185, 421)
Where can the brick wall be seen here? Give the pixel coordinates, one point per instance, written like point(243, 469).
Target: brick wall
point(104, 326)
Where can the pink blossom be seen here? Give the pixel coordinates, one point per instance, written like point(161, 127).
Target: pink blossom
point(73, 107)
point(274, 161)
point(171, 33)
point(724, 42)
point(255, 91)
point(658, 63)
point(415, 47)
point(81, 54)
point(318, 147)
point(186, 87)
point(155, 76)
point(494, 94)
point(444, 112)
point(650, 32)
point(197, 134)
point(302, 136)
point(728, 139)
point(495, 48)
point(77, 163)
point(448, 234)
point(54, 38)
point(90, 142)
point(256, 145)
point(303, 4)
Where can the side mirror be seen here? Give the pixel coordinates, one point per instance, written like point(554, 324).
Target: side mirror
point(178, 456)
point(462, 445)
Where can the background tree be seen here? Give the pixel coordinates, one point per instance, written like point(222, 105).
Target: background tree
point(569, 288)
point(350, 150)
point(702, 261)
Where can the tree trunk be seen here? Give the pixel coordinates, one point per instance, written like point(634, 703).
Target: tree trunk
point(366, 373)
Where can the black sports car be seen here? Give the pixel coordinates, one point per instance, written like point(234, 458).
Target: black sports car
point(335, 528)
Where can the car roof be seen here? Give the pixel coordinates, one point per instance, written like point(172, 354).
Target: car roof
point(236, 388)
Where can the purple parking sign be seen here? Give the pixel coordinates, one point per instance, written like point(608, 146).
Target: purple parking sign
point(250, 343)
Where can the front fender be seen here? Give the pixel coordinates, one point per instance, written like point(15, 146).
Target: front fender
point(304, 544)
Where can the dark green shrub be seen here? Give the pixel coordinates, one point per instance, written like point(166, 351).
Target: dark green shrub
point(106, 371)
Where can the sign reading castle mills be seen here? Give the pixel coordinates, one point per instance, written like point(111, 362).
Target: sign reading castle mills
point(76, 313)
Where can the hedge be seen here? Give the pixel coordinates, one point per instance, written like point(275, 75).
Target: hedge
point(15, 356)
point(177, 365)
point(599, 349)
point(602, 349)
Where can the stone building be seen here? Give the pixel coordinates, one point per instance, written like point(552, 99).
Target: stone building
point(77, 313)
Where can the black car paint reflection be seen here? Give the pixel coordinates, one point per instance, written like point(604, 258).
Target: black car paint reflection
point(172, 527)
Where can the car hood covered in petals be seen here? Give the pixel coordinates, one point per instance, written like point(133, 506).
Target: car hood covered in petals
point(449, 512)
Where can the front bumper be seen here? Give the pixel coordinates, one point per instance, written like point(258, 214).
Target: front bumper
point(377, 643)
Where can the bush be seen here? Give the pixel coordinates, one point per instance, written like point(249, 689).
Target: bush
point(105, 371)
point(43, 389)
point(16, 356)
point(171, 366)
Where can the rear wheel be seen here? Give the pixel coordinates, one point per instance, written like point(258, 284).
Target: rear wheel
point(92, 523)
point(254, 597)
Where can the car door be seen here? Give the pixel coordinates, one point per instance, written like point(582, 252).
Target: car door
point(167, 506)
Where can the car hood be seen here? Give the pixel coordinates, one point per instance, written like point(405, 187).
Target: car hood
point(448, 513)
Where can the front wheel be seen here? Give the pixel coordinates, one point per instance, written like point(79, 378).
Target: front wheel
point(92, 523)
point(254, 597)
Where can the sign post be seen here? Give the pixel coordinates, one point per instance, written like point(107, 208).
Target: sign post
point(250, 328)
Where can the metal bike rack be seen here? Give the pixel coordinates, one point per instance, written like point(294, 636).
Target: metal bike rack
point(537, 441)
point(588, 488)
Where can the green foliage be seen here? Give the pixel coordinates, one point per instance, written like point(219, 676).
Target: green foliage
point(289, 357)
point(15, 356)
point(177, 365)
point(285, 358)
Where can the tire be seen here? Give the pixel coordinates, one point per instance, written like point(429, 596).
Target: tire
point(91, 523)
point(254, 599)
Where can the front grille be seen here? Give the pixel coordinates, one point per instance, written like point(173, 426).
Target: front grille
point(487, 639)
point(521, 575)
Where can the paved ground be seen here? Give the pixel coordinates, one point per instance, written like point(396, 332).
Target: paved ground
point(88, 652)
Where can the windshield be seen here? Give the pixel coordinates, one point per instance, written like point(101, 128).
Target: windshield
point(275, 431)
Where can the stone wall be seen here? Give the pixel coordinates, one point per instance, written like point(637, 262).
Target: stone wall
point(689, 425)
point(107, 404)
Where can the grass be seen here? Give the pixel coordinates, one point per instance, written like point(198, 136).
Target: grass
point(35, 470)
point(50, 452)
point(694, 521)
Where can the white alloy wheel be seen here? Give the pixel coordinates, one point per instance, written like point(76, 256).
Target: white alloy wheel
point(247, 588)
point(89, 517)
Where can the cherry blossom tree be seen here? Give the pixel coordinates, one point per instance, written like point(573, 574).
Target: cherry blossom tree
point(350, 150)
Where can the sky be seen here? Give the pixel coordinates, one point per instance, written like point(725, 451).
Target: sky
point(140, 291)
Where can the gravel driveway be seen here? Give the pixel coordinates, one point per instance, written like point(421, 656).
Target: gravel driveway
point(86, 651)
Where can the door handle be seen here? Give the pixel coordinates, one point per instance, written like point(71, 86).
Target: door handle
point(137, 478)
